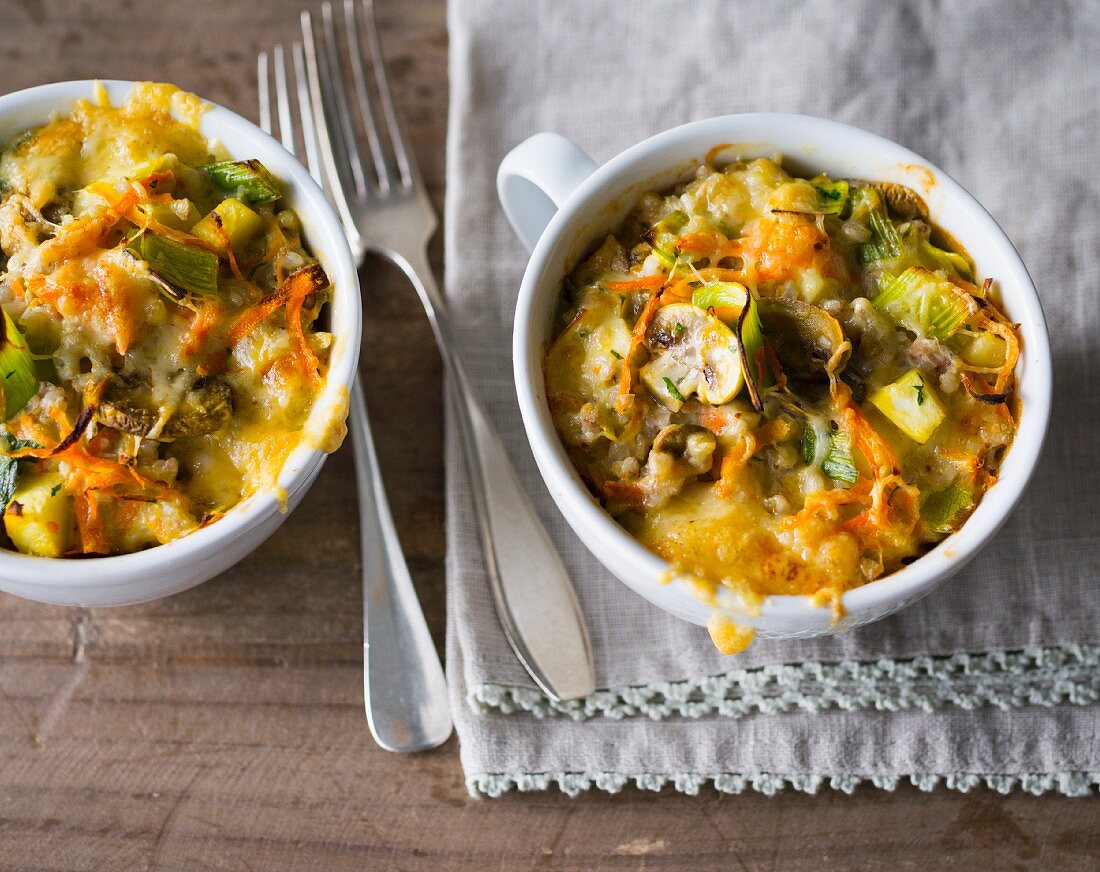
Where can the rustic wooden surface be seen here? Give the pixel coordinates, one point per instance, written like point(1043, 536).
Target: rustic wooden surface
point(223, 728)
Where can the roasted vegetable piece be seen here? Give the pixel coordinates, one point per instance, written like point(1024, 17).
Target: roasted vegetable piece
point(189, 269)
point(17, 374)
point(912, 405)
point(807, 340)
point(247, 179)
point(127, 405)
point(696, 352)
point(39, 519)
point(177, 214)
point(832, 197)
point(902, 200)
point(232, 221)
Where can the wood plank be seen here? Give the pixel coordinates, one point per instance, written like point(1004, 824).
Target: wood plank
point(223, 728)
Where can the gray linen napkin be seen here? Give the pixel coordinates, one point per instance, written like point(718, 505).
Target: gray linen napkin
point(992, 676)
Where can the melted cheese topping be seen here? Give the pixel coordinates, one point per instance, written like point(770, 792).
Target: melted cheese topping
point(75, 193)
point(866, 446)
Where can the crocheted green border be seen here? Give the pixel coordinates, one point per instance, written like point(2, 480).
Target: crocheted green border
point(769, 783)
point(1044, 676)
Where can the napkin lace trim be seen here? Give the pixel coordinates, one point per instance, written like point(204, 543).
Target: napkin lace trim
point(1069, 783)
point(1036, 675)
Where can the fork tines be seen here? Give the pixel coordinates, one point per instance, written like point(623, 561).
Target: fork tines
point(337, 50)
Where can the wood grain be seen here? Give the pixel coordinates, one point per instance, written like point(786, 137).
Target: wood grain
point(223, 728)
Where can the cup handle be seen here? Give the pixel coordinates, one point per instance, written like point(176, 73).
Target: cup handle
point(536, 178)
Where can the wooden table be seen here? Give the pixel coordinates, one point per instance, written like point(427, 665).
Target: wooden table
point(224, 727)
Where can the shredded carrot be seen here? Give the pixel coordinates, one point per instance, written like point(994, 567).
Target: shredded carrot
point(93, 538)
point(646, 283)
point(637, 339)
point(298, 285)
point(303, 354)
point(202, 325)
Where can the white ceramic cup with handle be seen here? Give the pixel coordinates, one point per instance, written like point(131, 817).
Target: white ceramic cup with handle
point(192, 559)
point(561, 203)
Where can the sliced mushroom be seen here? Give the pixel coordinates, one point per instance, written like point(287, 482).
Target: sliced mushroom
point(694, 353)
point(903, 201)
point(808, 342)
point(127, 405)
point(690, 444)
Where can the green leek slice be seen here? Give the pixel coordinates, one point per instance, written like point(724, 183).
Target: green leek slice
point(189, 268)
point(17, 372)
point(247, 179)
point(949, 261)
point(840, 463)
point(721, 295)
point(944, 511)
point(912, 405)
point(886, 241)
point(922, 302)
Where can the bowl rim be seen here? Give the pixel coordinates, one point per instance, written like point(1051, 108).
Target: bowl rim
point(618, 547)
point(329, 242)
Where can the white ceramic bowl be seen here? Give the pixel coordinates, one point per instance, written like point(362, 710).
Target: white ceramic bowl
point(560, 203)
point(168, 569)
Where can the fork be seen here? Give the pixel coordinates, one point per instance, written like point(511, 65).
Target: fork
point(386, 211)
point(404, 690)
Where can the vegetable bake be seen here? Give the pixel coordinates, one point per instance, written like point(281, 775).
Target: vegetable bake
point(158, 357)
point(782, 385)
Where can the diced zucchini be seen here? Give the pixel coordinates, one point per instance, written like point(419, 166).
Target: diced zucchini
point(179, 214)
point(923, 302)
point(230, 218)
point(39, 519)
point(980, 349)
point(832, 197)
point(189, 268)
point(249, 180)
point(912, 405)
point(18, 377)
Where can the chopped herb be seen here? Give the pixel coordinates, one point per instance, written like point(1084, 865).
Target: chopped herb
point(9, 375)
point(55, 489)
point(920, 392)
point(16, 444)
point(672, 389)
point(616, 354)
point(8, 467)
point(679, 329)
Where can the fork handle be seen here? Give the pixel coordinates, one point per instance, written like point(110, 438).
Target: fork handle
point(534, 597)
point(403, 686)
